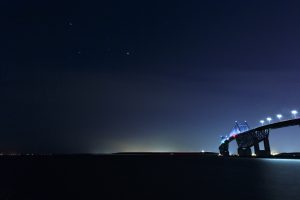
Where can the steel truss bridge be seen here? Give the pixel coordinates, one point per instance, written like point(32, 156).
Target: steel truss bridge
point(247, 138)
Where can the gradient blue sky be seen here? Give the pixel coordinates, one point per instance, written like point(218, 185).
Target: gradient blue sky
point(86, 76)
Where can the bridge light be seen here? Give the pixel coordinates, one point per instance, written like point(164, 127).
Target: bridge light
point(279, 116)
point(262, 122)
point(294, 112)
point(269, 119)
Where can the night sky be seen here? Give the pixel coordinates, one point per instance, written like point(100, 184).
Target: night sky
point(109, 76)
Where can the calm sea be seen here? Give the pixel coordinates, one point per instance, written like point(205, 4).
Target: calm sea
point(148, 177)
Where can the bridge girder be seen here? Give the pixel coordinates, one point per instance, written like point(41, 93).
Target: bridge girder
point(250, 138)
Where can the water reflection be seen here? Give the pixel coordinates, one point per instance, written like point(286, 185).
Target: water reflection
point(287, 161)
point(281, 178)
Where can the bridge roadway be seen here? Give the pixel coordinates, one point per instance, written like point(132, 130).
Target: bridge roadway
point(252, 137)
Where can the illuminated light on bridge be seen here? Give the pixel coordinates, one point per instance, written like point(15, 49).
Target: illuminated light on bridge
point(262, 122)
point(269, 119)
point(294, 112)
point(279, 116)
point(223, 139)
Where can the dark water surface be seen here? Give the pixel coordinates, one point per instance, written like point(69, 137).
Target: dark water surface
point(148, 177)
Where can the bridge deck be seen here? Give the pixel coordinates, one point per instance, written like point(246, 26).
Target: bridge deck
point(276, 125)
point(281, 124)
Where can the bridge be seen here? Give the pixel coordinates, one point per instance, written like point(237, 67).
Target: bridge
point(247, 138)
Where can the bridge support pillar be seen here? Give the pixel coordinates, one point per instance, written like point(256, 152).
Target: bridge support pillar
point(267, 146)
point(224, 149)
point(244, 151)
point(256, 148)
point(263, 153)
